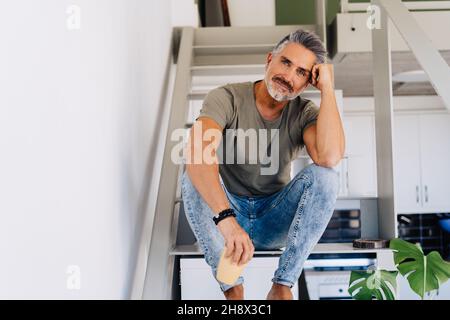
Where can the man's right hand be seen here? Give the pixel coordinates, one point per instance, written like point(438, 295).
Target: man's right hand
point(237, 242)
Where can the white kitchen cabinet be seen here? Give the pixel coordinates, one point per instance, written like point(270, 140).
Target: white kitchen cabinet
point(435, 159)
point(407, 164)
point(421, 160)
point(359, 166)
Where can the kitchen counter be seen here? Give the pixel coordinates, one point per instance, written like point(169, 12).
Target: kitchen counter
point(319, 248)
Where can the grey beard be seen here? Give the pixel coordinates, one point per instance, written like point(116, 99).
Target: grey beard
point(277, 95)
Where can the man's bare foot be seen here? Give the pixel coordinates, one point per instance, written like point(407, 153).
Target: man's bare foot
point(279, 292)
point(235, 293)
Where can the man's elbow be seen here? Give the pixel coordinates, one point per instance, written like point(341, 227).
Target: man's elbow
point(329, 161)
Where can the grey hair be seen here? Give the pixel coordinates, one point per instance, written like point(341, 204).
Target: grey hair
point(305, 38)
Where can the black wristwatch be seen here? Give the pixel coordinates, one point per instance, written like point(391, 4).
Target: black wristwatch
point(224, 214)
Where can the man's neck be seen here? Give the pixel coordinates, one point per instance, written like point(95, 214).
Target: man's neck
point(269, 108)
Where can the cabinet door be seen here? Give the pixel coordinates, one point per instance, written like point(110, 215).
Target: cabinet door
point(406, 293)
point(360, 150)
point(435, 160)
point(444, 292)
point(407, 164)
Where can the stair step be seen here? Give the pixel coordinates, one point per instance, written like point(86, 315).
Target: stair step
point(233, 49)
point(228, 70)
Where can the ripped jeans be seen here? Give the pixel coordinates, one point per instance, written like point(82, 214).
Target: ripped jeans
point(293, 218)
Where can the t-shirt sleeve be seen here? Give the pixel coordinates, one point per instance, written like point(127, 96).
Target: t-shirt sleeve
point(308, 117)
point(218, 105)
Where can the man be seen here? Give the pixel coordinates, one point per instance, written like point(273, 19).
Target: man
point(253, 208)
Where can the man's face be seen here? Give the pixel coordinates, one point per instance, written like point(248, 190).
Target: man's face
point(288, 73)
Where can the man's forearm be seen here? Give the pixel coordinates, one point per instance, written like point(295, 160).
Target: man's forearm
point(330, 142)
point(205, 178)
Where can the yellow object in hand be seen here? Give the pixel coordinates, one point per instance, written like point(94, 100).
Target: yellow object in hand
point(228, 271)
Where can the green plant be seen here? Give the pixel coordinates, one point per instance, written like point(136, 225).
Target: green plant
point(366, 285)
point(423, 273)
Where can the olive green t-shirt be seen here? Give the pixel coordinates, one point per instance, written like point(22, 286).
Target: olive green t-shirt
point(266, 170)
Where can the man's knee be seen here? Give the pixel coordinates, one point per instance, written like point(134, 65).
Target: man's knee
point(324, 180)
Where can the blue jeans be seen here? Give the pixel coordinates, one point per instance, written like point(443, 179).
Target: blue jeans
point(293, 218)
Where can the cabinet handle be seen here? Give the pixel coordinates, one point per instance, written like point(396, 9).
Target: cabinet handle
point(417, 194)
point(426, 193)
point(346, 178)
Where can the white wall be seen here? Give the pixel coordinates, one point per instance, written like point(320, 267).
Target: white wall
point(251, 12)
point(80, 115)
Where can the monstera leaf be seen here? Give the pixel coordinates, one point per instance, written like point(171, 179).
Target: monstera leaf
point(424, 273)
point(365, 285)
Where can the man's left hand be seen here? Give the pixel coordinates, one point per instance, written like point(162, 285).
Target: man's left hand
point(322, 76)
